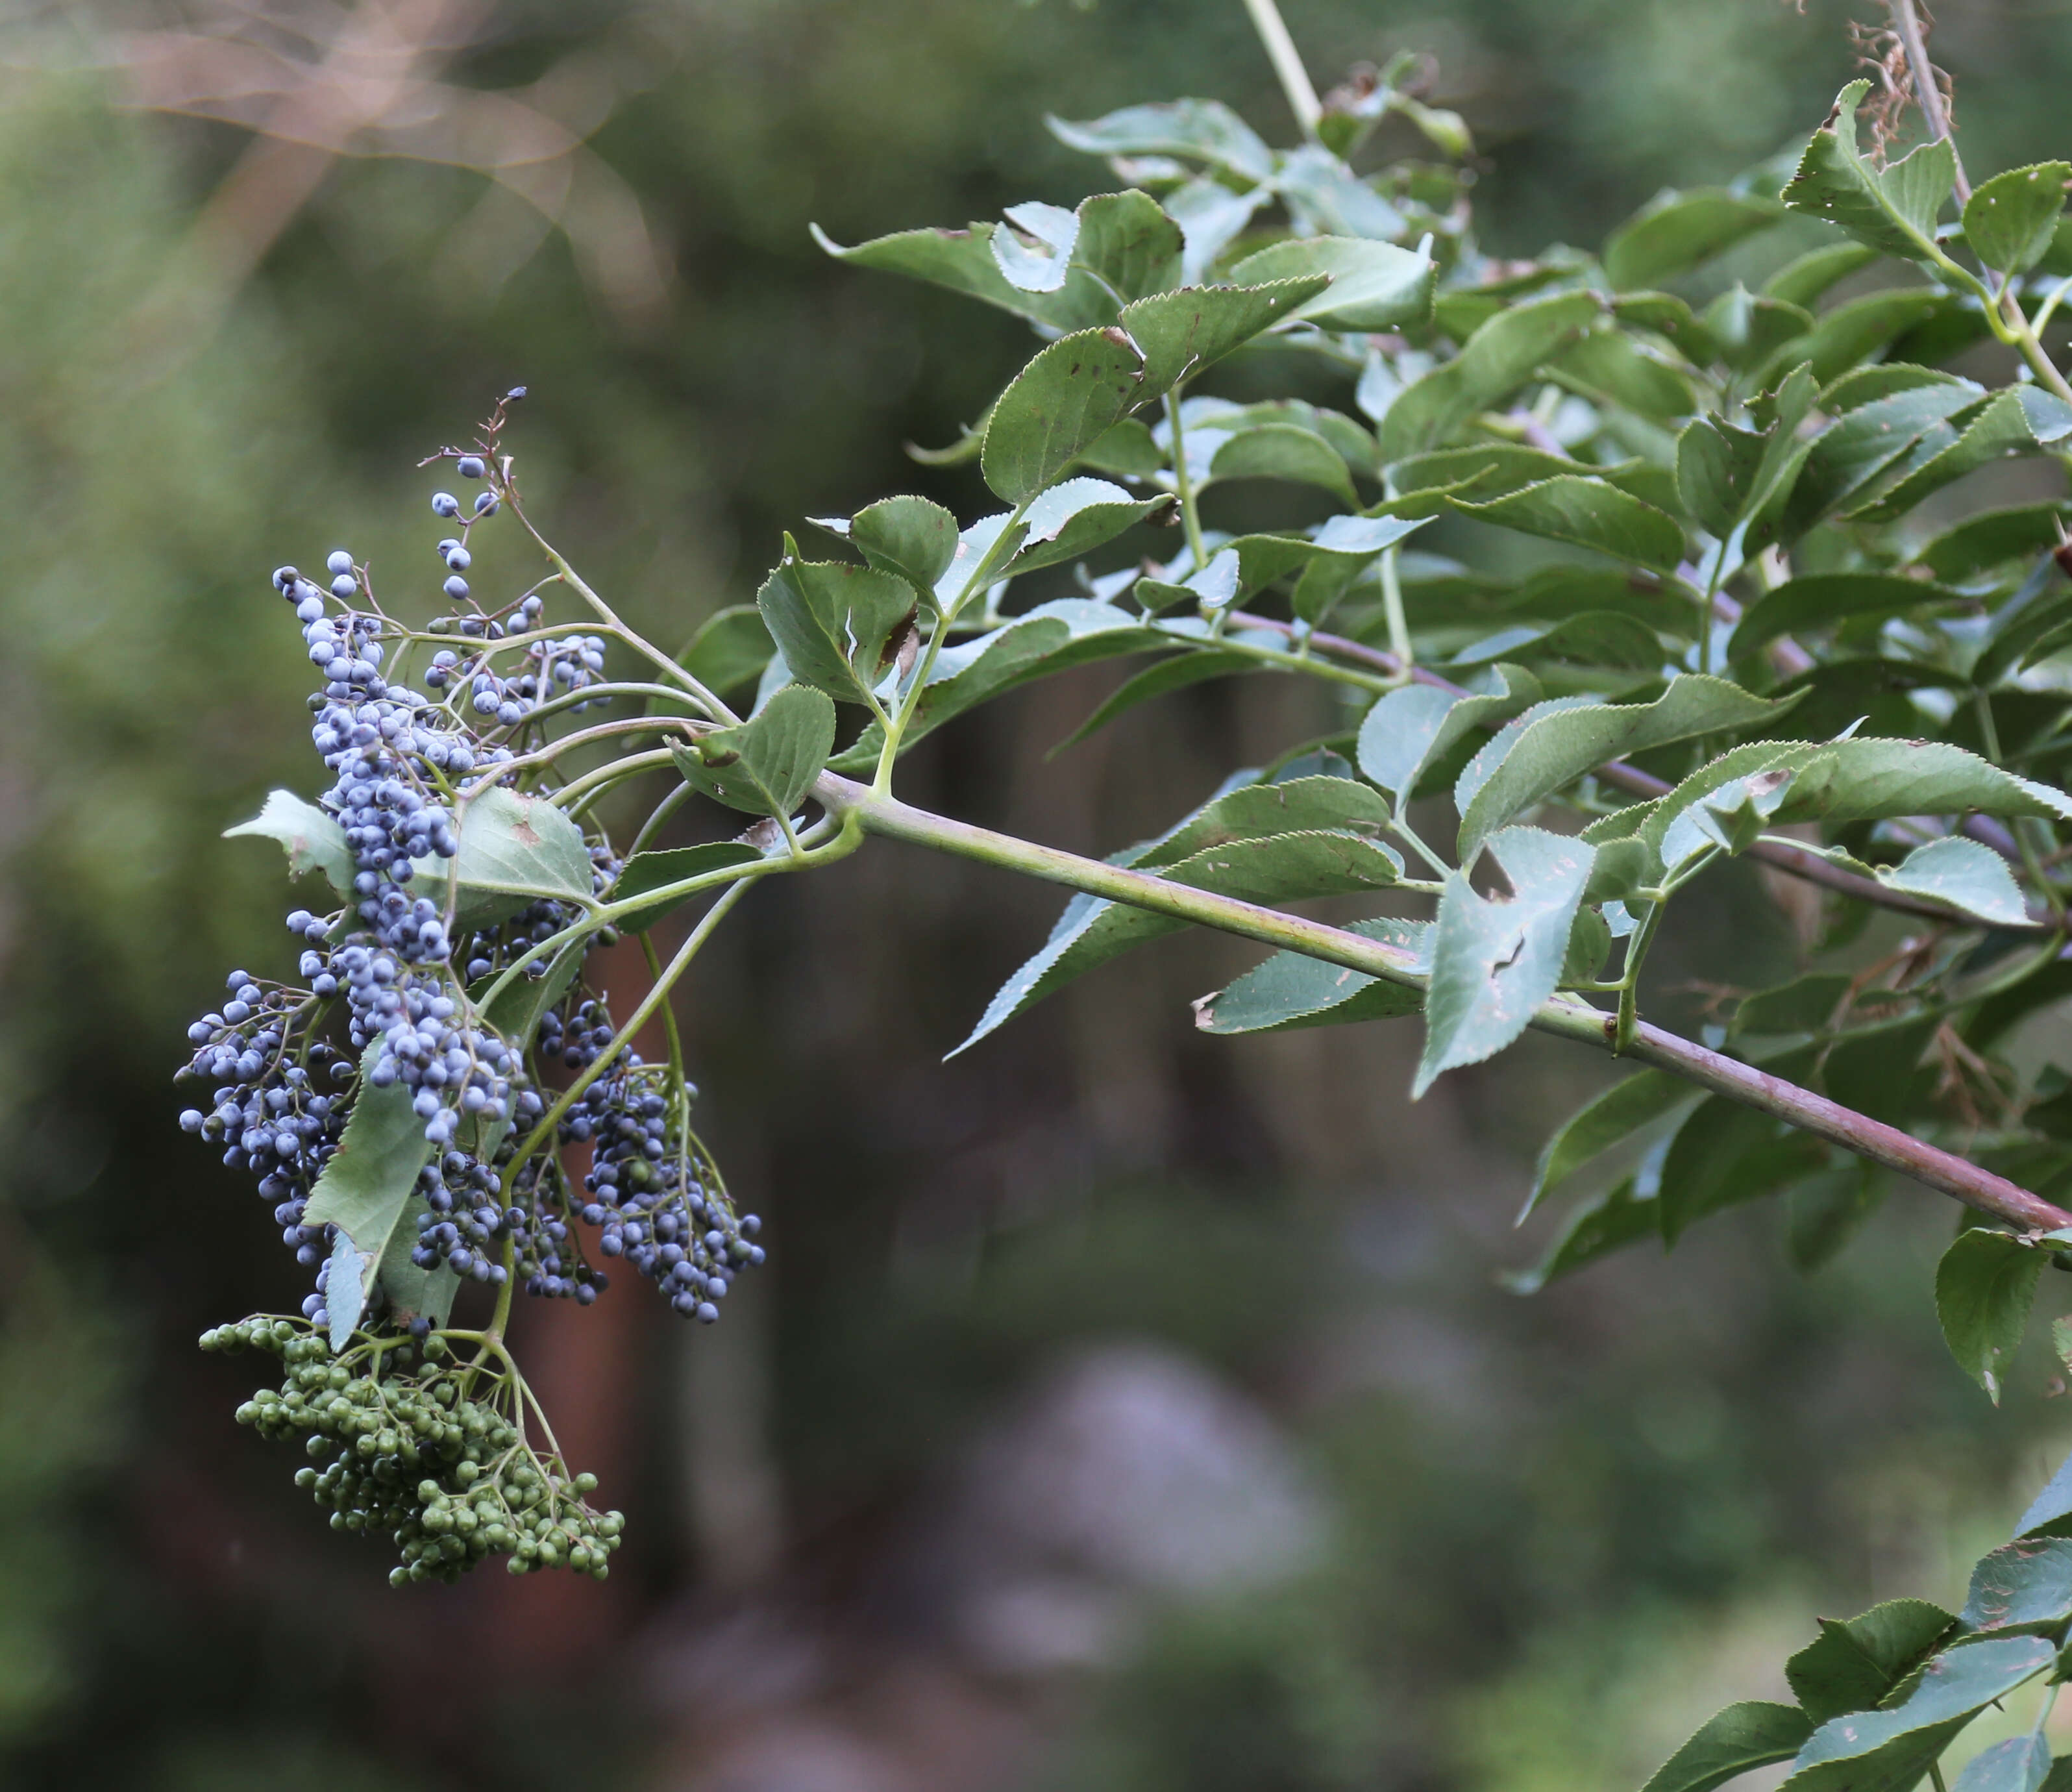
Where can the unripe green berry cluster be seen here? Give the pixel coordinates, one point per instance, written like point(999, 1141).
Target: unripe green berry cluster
point(416, 1453)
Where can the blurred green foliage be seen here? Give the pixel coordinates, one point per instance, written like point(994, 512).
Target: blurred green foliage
point(1541, 1501)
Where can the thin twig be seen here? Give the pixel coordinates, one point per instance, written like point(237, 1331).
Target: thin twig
point(1287, 62)
point(1906, 21)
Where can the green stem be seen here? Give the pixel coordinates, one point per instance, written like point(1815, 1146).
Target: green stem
point(1629, 986)
point(982, 576)
point(710, 704)
point(1183, 481)
point(1567, 1018)
point(654, 997)
point(1399, 626)
point(1287, 62)
point(501, 1316)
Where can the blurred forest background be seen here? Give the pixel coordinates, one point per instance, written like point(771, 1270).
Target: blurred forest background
point(1121, 1410)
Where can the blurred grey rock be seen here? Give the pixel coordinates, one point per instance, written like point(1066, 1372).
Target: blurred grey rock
point(1129, 1476)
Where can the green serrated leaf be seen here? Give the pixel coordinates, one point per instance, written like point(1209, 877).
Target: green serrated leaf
point(1675, 232)
point(1288, 990)
point(1074, 518)
point(514, 850)
point(1845, 464)
point(1500, 357)
point(657, 870)
point(1587, 512)
point(1411, 730)
point(963, 261)
point(2021, 1764)
point(1984, 1288)
point(766, 765)
point(1058, 407)
point(1182, 332)
point(312, 839)
point(1820, 601)
point(1276, 868)
point(1722, 1155)
point(2024, 1586)
point(1204, 130)
point(1892, 1748)
point(1893, 209)
point(1606, 1223)
point(1374, 286)
point(835, 622)
point(1993, 538)
point(1967, 875)
point(1052, 637)
point(2010, 220)
point(1281, 450)
point(1628, 1107)
point(1738, 1739)
point(1855, 1666)
point(1519, 770)
point(1493, 962)
point(1127, 239)
point(914, 538)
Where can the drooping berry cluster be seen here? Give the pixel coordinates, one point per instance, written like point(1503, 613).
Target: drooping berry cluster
point(268, 1110)
point(399, 1445)
point(653, 1192)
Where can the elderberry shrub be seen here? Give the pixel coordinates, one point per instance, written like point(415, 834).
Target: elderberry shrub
point(412, 1016)
point(398, 1443)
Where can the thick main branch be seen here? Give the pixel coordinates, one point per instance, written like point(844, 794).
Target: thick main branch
point(1568, 1018)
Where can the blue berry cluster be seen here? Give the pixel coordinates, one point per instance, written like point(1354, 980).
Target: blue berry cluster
point(652, 1193)
point(268, 1110)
